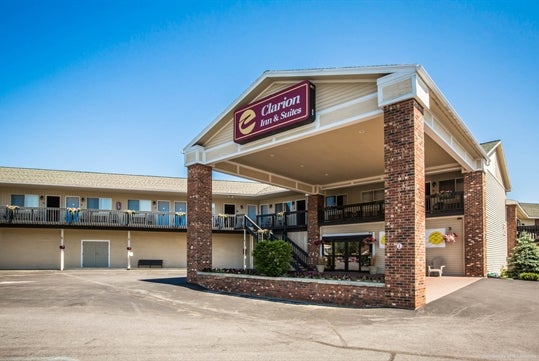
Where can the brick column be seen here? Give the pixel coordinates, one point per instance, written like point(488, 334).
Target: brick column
point(199, 220)
point(511, 219)
point(475, 245)
point(404, 153)
point(315, 205)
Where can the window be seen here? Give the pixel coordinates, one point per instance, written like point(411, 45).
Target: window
point(332, 201)
point(230, 209)
point(372, 196)
point(99, 203)
point(451, 185)
point(25, 200)
point(180, 207)
point(142, 205)
point(72, 202)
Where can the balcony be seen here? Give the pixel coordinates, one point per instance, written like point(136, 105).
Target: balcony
point(444, 204)
point(436, 205)
point(103, 219)
point(354, 213)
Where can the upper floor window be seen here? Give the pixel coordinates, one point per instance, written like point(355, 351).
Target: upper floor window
point(332, 201)
point(99, 203)
point(25, 200)
point(451, 185)
point(141, 205)
point(72, 202)
point(230, 209)
point(372, 196)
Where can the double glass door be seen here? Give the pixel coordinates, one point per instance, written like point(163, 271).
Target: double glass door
point(347, 253)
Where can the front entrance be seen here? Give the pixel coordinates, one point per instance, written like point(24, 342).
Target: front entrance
point(95, 254)
point(348, 253)
point(53, 208)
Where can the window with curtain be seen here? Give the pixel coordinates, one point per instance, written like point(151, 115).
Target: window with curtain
point(99, 203)
point(141, 205)
point(25, 200)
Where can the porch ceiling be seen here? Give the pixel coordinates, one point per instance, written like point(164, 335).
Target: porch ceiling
point(349, 155)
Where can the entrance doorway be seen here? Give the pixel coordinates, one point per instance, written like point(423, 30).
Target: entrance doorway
point(53, 215)
point(95, 254)
point(348, 253)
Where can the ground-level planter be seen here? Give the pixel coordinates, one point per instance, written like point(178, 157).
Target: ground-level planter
point(344, 293)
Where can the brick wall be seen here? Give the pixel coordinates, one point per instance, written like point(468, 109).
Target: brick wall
point(199, 221)
point(475, 246)
point(305, 290)
point(315, 204)
point(511, 219)
point(404, 152)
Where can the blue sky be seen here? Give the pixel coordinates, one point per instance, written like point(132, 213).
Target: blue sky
point(122, 86)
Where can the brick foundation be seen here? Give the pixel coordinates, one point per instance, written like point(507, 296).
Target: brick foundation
point(404, 153)
point(315, 204)
point(199, 221)
point(304, 290)
point(511, 218)
point(475, 246)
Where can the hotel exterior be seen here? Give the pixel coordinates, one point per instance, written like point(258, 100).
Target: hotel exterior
point(370, 167)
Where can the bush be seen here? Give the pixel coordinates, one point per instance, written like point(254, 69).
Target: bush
point(272, 258)
point(528, 276)
point(525, 257)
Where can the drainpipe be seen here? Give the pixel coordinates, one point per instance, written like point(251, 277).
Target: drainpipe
point(62, 249)
point(244, 248)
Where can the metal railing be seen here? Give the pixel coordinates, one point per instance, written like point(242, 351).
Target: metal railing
point(99, 218)
point(532, 230)
point(442, 204)
point(282, 220)
point(354, 213)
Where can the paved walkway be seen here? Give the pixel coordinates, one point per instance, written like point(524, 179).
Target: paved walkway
point(437, 287)
point(94, 315)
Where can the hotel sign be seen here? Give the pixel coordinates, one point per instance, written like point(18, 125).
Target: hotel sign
point(275, 113)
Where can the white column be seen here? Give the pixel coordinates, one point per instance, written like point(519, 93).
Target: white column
point(129, 251)
point(62, 249)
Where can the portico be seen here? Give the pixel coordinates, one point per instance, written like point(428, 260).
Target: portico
point(386, 126)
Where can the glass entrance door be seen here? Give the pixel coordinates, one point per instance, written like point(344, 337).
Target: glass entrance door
point(347, 253)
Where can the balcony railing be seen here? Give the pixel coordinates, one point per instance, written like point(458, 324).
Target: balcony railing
point(354, 213)
point(282, 220)
point(106, 219)
point(436, 205)
point(444, 204)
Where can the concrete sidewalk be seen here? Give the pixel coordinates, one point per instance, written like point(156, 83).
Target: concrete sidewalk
point(154, 315)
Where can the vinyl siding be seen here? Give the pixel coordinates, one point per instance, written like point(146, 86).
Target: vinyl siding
point(496, 225)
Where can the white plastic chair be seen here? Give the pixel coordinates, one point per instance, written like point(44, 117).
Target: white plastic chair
point(437, 266)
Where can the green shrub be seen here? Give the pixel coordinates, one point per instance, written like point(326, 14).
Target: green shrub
point(272, 258)
point(528, 276)
point(525, 257)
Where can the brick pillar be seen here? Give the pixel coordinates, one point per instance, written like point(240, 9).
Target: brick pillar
point(404, 153)
point(475, 245)
point(315, 205)
point(199, 220)
point(511, 219)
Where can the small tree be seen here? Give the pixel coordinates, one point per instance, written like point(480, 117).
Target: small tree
point(272, 258)
point(525, 257)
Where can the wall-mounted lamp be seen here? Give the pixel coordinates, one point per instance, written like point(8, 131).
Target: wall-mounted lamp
point(41, 197)
point(82, 199)
point(153, 203)
point(241, 206)
point(271, 206)
point(434, 184)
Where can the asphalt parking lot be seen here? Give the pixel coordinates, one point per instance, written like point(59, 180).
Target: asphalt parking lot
point(152, 314)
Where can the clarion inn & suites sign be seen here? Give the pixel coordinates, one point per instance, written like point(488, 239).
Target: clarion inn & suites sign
point(289, 108)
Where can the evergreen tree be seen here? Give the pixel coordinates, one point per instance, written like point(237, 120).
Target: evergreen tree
point(525, 257)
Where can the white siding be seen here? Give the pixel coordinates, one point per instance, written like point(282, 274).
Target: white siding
point(496, 224)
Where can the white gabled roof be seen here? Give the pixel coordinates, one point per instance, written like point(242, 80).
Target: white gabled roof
point(319, 73)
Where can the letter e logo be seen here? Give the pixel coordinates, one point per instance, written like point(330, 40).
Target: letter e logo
point(246, 123)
